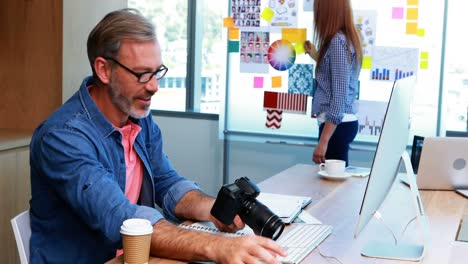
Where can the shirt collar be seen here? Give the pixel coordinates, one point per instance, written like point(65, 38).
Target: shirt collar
point(102, 123)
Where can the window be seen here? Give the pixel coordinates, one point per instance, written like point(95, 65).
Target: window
point(393, 35)
point(455, 82)
point(194, 50)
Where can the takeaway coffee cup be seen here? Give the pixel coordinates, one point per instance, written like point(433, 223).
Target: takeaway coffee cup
point(136, 238)
point(333, 167)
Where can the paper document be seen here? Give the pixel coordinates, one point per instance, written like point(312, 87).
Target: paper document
point(287, 207)
point(358, 171)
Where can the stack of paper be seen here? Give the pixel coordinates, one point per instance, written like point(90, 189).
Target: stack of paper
point(287, 207)
point(358, 171)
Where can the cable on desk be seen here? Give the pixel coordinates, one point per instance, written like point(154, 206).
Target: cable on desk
point(404, 230)
point(380, 218)
point(326, 257)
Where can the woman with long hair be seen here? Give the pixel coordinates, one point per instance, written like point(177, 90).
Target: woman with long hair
point(338, 53)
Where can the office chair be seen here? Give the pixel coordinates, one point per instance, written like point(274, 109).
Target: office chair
point(22, 231)
point(416, 152)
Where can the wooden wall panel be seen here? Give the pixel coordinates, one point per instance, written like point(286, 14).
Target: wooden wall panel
point(30, 61)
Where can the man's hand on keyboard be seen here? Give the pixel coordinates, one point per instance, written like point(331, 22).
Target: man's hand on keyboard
point(248, 249)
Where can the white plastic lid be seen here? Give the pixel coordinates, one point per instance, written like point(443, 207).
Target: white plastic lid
point(136, 227)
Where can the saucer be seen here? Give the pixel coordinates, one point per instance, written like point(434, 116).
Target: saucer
point(325, 175)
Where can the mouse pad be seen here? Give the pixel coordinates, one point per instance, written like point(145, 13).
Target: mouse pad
point(462, 234)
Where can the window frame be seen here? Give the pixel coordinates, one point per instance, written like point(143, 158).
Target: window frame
point(193, 78)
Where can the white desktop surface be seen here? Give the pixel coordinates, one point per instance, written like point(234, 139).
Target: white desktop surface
point(338, 203)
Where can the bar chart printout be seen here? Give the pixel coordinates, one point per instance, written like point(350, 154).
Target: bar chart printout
point(390, 64)
point(384, 74)
point(371, 115)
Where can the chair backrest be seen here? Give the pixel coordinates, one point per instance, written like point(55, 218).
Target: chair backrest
point(22, 231)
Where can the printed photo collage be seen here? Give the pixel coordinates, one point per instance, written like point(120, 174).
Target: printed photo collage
point(254, 47)
point(246, 13)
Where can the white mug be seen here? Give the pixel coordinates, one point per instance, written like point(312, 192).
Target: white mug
point(333, 167)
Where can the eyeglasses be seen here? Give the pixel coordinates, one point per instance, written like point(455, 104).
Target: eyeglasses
point(143, 77)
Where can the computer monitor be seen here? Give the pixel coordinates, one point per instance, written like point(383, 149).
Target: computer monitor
point(391, 150)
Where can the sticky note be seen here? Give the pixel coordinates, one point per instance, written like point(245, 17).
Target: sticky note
point(258, 82)
point(228, 22)
point(294, 35)
point(424, 55)
point(234, 33)
point(411, 28)
point(267, 14)
point(366, 62)
point(412, 13)
point(412, 2)
point(423, 64)
point(421, 32)
point(397, 12)
point(276, 82)
point(233, 46)
point(299, 48)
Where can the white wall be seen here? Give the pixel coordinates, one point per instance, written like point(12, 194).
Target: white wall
point(193, 147)
point(79, 18)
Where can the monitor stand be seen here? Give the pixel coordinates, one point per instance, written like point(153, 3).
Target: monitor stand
point(403, 251)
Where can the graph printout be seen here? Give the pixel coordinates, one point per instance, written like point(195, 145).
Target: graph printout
point(392, 63)
point(371, 115)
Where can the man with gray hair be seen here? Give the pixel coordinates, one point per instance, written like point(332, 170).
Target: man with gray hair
point(98, 160)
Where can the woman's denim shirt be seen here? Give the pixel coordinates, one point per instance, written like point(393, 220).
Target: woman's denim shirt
point(78, 181)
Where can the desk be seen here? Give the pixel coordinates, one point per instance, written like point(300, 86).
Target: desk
point(338, 203)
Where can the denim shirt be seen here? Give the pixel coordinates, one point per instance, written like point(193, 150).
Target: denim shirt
point(337, 81)
point(78, 183)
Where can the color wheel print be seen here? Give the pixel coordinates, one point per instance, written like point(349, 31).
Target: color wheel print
point(281, 55)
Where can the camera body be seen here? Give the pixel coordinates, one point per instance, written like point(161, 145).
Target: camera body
point(240, 198)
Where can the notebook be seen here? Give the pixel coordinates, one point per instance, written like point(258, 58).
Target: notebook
point(287, 207)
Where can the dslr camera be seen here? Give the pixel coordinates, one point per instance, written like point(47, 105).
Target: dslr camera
point(240, 198)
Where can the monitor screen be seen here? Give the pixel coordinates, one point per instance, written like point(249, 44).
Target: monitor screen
point(391, 145)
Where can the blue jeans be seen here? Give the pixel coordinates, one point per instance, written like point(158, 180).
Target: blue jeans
point(338, 146)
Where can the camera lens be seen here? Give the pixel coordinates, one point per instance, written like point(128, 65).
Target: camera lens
point(273, 228)
point(261, 219)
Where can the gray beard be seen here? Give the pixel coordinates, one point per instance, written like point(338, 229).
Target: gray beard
point(122, 102)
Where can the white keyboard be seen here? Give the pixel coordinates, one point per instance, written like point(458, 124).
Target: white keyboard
point(300, 241)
